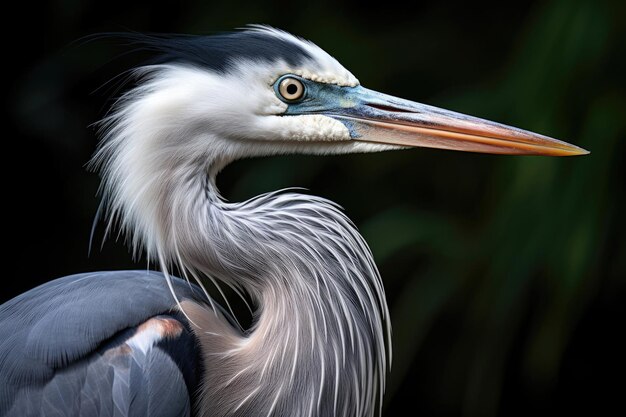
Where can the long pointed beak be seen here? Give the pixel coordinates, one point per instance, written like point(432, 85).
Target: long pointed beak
point(381, 118)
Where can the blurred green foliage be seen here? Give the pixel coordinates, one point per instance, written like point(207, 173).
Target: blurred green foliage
point(505, 275)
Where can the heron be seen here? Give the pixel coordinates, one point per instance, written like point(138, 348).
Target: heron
point(127, 343)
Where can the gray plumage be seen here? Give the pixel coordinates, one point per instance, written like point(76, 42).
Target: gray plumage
point(136, 343)
point(318, 343)
point(65, 349)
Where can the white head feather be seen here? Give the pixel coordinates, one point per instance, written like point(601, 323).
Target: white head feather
point(299, 258)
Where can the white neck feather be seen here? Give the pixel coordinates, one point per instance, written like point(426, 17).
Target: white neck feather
point(317, 347)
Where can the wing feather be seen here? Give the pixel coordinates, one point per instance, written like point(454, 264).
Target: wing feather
point(101, 344)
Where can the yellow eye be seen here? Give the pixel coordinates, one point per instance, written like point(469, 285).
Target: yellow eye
point(291, 89)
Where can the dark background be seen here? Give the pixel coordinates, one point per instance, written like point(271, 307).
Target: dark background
point(506, 276)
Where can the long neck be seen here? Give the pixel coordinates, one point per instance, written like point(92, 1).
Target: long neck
point(317, 347)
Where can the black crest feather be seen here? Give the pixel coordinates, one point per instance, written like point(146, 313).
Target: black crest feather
point(217, 52)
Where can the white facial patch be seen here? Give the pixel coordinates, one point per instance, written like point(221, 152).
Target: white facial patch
point(244, 105)
point(311, 128)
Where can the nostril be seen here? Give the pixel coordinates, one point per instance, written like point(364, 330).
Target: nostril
point(389, 108)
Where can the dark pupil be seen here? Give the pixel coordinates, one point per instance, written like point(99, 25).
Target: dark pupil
point(292, 89)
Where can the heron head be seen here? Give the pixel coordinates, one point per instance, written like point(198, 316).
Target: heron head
point(262, 91)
